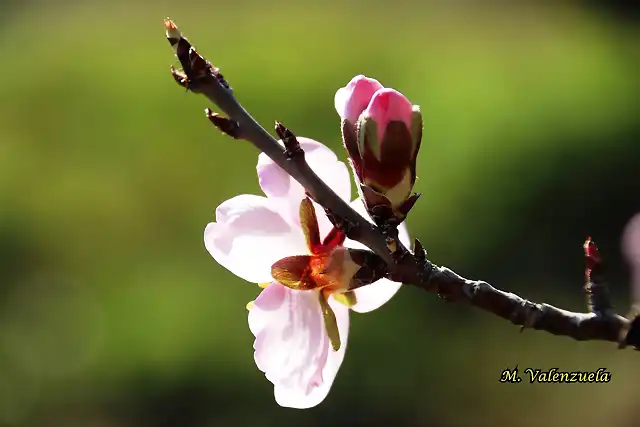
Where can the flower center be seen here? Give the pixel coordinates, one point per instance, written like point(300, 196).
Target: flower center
point(327, 269)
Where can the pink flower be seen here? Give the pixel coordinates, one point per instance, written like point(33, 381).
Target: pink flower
point(301, 319)
point(382, 132)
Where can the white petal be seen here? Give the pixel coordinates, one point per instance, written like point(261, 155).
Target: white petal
point(340, 101)
point(292, 347)
point(279, 185)
point(249, 235)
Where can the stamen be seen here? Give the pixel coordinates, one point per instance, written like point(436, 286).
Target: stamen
point(309, 223)
point(249, 305)
point(330, 323)
point(346, 298)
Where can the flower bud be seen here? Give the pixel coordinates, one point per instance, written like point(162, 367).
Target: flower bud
point(351, 100)
point(382, 140)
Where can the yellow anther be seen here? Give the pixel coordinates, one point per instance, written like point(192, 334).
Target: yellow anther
point(264, 285)
point(249, 305)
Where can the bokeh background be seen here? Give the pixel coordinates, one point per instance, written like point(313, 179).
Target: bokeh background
point(112, 313)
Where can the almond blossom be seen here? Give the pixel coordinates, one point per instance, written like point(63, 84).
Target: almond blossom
point(286, 244)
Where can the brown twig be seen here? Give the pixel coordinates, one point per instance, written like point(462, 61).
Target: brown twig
point(415, 269)
point(595, 287)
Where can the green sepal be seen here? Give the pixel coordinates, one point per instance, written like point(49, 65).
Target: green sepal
point(368, 137)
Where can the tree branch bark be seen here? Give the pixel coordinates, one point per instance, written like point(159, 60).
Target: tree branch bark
point(199, 76)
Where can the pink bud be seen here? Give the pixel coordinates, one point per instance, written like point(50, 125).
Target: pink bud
point(382, 132)
point(389, 105)
point(351, 100)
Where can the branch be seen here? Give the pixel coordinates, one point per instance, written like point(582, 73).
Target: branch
point(528, 314)
point(199, 76)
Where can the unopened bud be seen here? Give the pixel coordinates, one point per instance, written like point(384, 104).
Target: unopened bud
point(382, 139)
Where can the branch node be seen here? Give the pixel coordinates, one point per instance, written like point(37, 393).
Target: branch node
point(196, 67)
point(419, 251)
point(350, 229)
point(526, 314)
point(225, 125)
point(292, 147)
point(180, 78)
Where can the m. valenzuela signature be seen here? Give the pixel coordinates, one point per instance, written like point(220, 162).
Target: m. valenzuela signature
point(553, 375)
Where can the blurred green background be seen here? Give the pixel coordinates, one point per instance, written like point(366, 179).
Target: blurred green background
point(112, 313)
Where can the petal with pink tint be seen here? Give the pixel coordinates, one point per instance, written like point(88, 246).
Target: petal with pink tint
point(249, 235)
point(292, 347)
point(388, 105)
point(350, 101)
point(375, 295)
point(280, 186)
